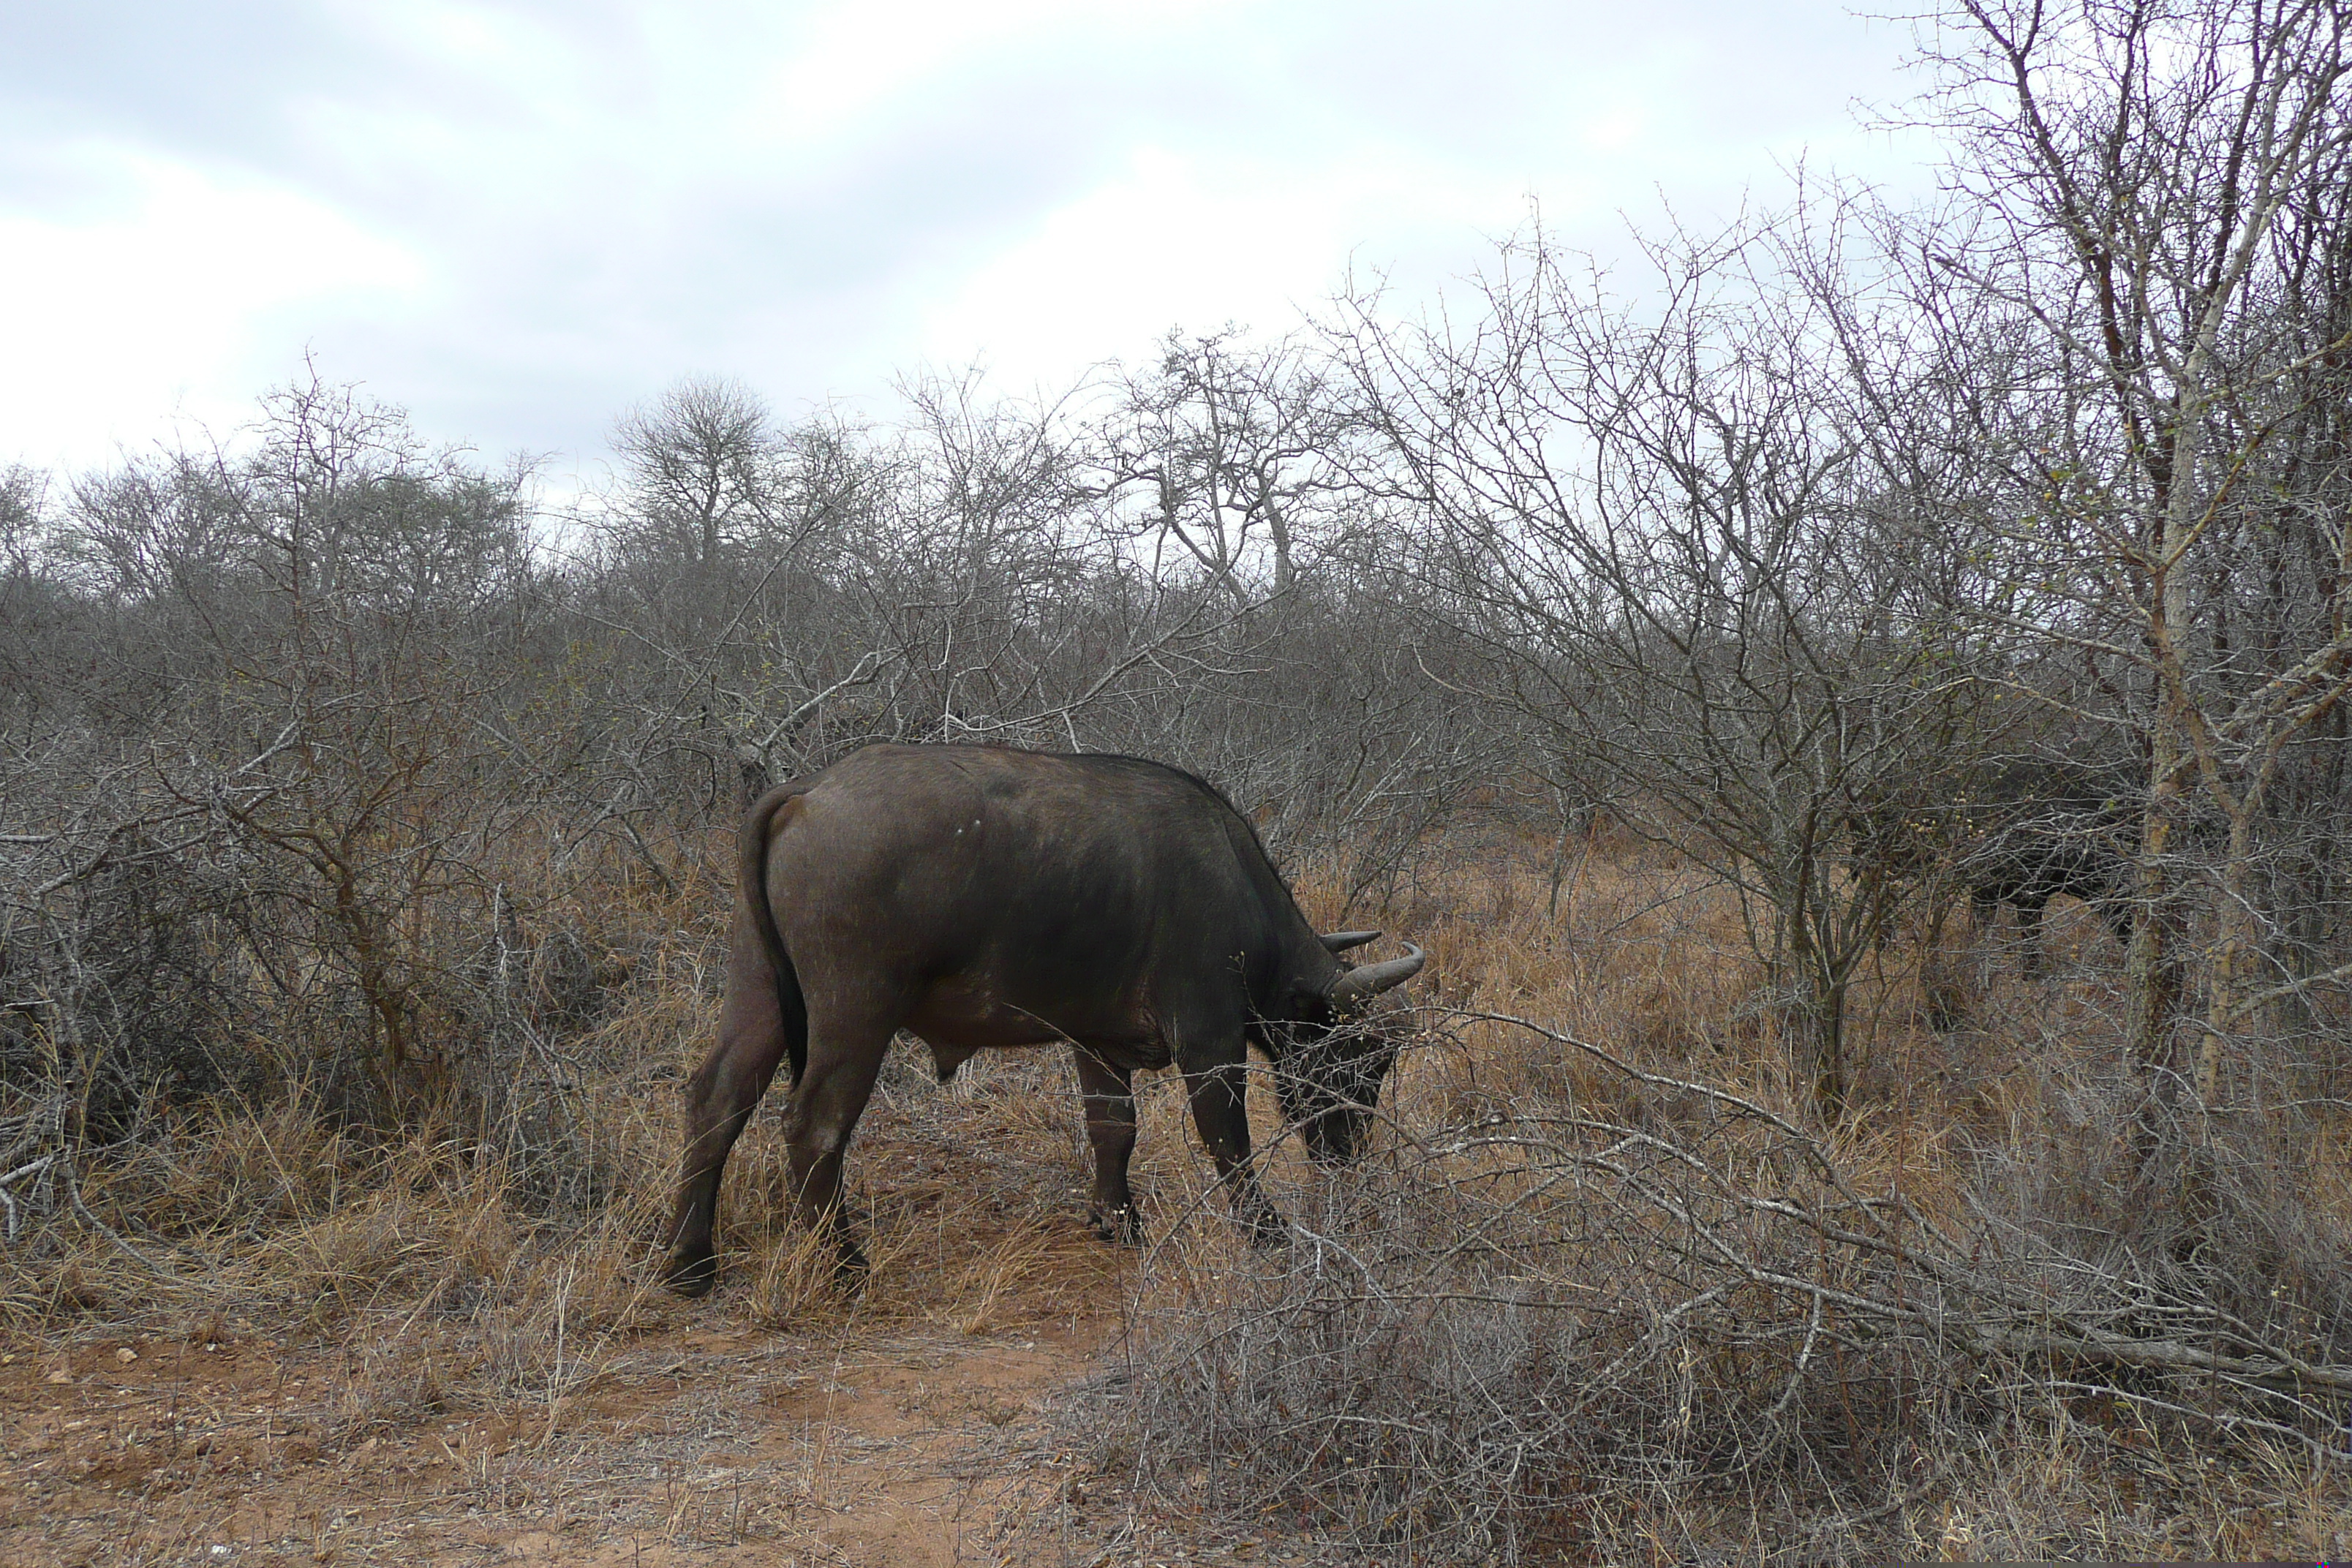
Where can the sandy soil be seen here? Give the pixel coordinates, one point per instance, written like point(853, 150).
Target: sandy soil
point(695, 1444)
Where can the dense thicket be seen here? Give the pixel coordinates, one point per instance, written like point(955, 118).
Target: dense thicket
point(282, 712)
point(1788, 547)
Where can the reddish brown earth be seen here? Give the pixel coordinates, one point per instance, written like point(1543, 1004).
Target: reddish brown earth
point(906, 1428)
point(694, 1444)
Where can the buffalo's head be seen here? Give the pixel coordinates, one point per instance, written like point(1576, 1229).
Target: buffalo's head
point(1340, 1048)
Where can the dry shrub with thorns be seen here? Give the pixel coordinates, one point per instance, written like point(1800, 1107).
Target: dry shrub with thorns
point(487, 1250)
point(1652, 1314)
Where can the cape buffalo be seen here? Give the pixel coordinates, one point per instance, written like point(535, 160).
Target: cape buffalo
point(983, 897)
point(2019, 833)
point(2046, 828)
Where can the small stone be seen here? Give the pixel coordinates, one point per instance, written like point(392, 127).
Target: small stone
point(126, 1355)
point(61, 1375)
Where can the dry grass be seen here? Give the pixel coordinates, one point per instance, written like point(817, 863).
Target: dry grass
point(1616, 1304)
point(1483, 1343)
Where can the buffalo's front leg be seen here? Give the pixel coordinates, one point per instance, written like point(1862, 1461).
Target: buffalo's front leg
point(719, 1099)
point(1108, 1095)
point(1221, 1111)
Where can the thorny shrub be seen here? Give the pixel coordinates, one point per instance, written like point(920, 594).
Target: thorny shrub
point(1651, 1312)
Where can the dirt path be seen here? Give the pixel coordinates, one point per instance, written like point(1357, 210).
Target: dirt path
point(909, 1429)
point(695, 1445)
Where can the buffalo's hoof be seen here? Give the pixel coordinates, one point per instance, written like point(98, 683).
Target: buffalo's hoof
point(1122, 1225)
point(691, 1273)
point(850, 1271)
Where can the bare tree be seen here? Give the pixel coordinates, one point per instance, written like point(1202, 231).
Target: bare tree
point(1696, 565)
point(2151, 191)
point(307, 658)
point(1238, 455)
point(34, 607)
point(702, 474)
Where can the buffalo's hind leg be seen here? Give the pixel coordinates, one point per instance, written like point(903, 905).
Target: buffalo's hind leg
point(1108, 1095)
point(719, 1100)
point(844, 1059)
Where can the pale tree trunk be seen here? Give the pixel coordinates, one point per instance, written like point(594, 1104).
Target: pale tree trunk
point(2237, 942)
point(2154, 972)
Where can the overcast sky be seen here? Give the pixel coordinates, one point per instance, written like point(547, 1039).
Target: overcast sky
point(518, 220)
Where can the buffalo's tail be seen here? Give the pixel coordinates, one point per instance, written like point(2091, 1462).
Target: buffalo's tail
point(760, 824)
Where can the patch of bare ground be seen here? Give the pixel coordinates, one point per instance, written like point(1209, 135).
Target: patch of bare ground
point(300, 1345)
point(693, 1445)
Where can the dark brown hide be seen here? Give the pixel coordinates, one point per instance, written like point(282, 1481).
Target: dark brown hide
point(2051, 828)
point(986, 897)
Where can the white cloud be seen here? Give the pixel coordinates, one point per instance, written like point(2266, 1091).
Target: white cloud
point(1180, 239)
point(853, 64)
point(143, 306)
point(518, 217)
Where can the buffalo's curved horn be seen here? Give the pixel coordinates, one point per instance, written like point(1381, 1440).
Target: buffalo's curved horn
point(1341, 941)
point(1366, 981)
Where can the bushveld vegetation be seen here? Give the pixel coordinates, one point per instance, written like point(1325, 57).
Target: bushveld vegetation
point(1667, 650)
